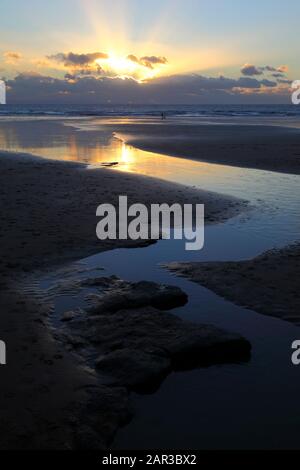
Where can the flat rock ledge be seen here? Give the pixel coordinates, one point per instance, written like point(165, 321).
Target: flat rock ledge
point(267, 284)
point(133, 343)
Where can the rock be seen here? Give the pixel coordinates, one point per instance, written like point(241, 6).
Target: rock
point(100, 281)
point(135, 369)
point(137, 348)
point(133, 342)
point(68, 316)
point(123, 295)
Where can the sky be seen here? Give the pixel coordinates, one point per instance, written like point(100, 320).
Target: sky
point(149, 51)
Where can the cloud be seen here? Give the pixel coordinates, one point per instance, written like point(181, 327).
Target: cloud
point(251, 70)
point(270, 68)
point(268, 83)
point(177, 89)
point(12, 57)
point(285, 81)
point(148, 61)
point(77, 60)
point(89, 71)
point(71, 59)
point(87, 64)
point(281, 69)
point(41, 63)
point(80, 65)
point(277, 75)
point(133, 58)
point(31, 74)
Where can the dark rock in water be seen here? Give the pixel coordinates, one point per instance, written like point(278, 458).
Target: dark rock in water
point(104, 282)
point(68, 316)
point(140, 347)
point(133, 344)
point(122, 295)
point(134, 368)
point(136, 344)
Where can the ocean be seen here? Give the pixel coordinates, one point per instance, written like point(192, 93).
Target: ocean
point(197, 111)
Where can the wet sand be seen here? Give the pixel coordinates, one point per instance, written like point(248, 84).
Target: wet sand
point(264, 146)
point(48, 208)
point(48, 218)
point(267, 284)
point(270, 148)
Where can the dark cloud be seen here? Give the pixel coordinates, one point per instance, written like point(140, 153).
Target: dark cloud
point(270, 68)
point(196, 83)
point(71, 59)
point(280, 69)
point(176, 89)
point(133, 58)
point(285, 81)
point(268, 83)
point(89, 71)
point(80, 65)
point(278, 75)
point(77, 60)
point(154, 59)
point(148, 61)
point(251, 70)
point(70, 76)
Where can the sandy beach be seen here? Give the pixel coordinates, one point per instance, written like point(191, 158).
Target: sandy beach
point(267, 284)
point(48, 218)
point(272, 148)
point(48, 208)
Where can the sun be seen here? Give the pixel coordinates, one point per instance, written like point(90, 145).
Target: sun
point(123, 67)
